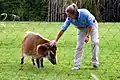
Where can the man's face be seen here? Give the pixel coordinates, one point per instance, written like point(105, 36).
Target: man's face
point(71, 15)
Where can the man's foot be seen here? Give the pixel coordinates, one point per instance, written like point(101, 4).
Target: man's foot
point(76, 68)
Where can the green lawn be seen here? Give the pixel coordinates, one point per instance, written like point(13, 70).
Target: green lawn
point(12, 33)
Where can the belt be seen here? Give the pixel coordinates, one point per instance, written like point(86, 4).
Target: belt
point(81, 27)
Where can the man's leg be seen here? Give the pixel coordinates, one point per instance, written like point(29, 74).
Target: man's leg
point(79, 50)
point(95, 46)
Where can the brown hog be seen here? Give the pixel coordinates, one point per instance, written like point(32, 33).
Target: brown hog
point(38, 47)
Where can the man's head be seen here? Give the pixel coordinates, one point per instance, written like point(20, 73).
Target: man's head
point(71, 11)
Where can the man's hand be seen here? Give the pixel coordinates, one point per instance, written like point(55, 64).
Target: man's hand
point(53, 43)
point(86, 39)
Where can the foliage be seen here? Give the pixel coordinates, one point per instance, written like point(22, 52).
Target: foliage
point(53, 10)
point(27, 10)
point(110, 10)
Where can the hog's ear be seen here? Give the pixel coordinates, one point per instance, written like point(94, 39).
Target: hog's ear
point(41, 48)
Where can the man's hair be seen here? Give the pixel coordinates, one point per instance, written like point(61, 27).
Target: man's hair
point(71, 8)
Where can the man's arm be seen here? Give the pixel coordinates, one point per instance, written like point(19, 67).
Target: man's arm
point(88, 33)
point(90, 28)
point(60, 33)
point(54, 42)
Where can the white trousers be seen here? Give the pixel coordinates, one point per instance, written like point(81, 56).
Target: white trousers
point(80, 45)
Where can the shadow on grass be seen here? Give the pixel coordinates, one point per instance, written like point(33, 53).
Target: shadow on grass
point(89, 68)
point(29, 67)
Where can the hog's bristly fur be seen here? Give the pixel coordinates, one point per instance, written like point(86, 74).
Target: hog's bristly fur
point(38, 47)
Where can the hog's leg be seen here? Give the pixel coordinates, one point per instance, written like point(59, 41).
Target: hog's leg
point(41, 61)
point(38, 64)
point(33, 61)
point(22, 60)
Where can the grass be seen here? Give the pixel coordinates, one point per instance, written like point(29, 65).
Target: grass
point(12, 33)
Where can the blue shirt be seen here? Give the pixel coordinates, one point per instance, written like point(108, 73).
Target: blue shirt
point(85, 19)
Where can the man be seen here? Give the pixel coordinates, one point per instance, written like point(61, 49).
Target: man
point(87, 26)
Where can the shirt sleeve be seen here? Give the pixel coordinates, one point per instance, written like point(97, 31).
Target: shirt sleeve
point(91, 20)
point(66, 24)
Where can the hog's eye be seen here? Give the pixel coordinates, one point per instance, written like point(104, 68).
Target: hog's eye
point(52, 55)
